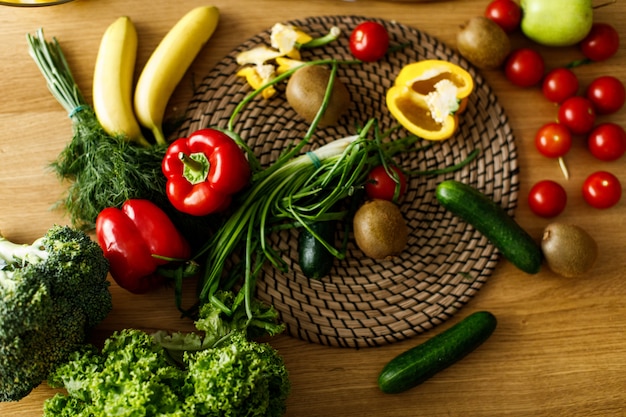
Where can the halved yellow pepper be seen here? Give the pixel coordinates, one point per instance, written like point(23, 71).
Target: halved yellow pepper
point(427, 97)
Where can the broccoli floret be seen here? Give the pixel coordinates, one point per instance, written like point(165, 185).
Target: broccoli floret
point(134, 374)
point(51, 294)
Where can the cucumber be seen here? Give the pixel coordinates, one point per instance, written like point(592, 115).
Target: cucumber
point(490, 219)
point(315, 259)
point(418, 364)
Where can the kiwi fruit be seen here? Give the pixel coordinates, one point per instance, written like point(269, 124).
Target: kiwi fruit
point(380, 230)
point(305, 94)
point(568, 249)
point(483, 42)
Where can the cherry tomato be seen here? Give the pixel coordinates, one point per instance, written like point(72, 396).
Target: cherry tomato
point(577, 114)
point(607, 141)
point(524, 67)
point(560, 84)
point(602, 190)
point(547, 198)
point(369, 41)
point(602, 42)
point(553, 140)
point(381, 186)
point(506, 13)
point(607, 94)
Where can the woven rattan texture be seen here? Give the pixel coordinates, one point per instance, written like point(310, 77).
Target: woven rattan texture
point(366, 302)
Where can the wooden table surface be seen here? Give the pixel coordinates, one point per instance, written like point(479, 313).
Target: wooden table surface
point(560, 345)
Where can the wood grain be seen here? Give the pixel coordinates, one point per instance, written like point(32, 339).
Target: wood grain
point(560, 346)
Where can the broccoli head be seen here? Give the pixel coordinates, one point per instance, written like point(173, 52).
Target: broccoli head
point(51, 294)
point(135, 374)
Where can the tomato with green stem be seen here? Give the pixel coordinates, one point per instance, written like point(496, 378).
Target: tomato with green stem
point(602, 190)
point(369, 41)
point(547, 198)
point(386, 183)
point(607, 141)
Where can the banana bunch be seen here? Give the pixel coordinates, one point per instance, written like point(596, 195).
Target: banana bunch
point(118, 109)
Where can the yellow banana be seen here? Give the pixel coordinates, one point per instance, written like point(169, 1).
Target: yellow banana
point(168, 64)
point(113, 81)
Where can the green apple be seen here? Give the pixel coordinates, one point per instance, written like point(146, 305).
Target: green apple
point(556, 22)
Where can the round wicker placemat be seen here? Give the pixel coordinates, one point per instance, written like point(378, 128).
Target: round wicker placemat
point(366, 302)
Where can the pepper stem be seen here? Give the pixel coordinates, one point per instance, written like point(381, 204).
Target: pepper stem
point(196, 167)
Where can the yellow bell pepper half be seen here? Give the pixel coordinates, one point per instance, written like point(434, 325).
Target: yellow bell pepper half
point(427, 97)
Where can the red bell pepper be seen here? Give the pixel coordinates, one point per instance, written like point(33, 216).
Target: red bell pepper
point(138, 239)
point(203, 171)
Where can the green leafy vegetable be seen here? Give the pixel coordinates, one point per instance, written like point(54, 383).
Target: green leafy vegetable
point(51, 294)
point(218, 371)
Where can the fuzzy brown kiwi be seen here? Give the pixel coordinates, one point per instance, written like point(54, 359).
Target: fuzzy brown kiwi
point(305, 94)
point(380, 230)
point(482, 42)
point(568, 249)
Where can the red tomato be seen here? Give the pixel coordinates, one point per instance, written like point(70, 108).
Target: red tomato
point(524, 67)
point(547, 198)
point(560, 84)
point(602, 190)
point(381, 186)
point(577, 114)
point(553, 140)
point(506, 13)
point(607, 94)
point(602, 42)
point(369, 41)
point(607, 141)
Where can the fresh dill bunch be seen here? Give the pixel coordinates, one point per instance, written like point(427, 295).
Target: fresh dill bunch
point(103, 170)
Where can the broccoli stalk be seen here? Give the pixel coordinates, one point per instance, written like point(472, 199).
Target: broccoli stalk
point(218, 371)
point(51, 294)
point(10, 252)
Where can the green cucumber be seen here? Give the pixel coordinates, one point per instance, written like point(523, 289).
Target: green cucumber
point(315, 259)
point(490, 219)
point(418, 364)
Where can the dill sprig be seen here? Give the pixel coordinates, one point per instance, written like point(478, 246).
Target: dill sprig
point(103, 170)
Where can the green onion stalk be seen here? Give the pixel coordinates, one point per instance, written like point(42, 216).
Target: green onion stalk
point(297, 189)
